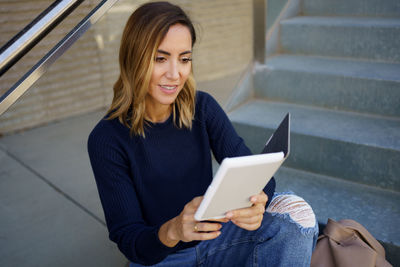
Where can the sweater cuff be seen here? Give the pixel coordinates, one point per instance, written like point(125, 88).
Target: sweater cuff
point(150, 249)
point(269, 190)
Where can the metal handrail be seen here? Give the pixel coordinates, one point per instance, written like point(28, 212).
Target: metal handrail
point(35, 31)
point(24, 83)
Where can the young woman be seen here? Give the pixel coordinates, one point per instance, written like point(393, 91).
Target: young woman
point(152, 163)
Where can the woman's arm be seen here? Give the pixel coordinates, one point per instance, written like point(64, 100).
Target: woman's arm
point(127, 228)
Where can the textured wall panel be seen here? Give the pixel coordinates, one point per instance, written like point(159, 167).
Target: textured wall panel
point(82, 79)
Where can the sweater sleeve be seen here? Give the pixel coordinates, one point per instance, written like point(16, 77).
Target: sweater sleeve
point(136, 240)
point(224, 140)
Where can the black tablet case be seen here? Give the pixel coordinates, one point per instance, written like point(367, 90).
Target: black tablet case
point(280, 139)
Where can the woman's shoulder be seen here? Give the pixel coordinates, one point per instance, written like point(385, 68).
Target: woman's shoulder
point(206, 102)
point(109, 130)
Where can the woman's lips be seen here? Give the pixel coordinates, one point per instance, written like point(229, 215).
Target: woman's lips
point(168, 89)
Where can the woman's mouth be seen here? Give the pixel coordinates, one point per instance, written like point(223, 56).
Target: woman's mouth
point(168, 89)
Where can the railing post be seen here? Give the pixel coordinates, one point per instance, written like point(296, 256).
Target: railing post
point(259, 32)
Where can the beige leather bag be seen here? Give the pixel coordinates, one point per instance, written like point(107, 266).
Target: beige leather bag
point(347, 243)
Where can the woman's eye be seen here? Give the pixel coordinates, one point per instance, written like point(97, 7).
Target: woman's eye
point(160, 59)
point(186, 59)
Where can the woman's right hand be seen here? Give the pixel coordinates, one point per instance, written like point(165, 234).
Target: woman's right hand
point(185, 228)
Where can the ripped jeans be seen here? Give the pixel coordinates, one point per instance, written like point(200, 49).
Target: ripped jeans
point(287, 237)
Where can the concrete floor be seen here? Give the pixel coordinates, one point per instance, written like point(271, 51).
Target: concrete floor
point(50, 209)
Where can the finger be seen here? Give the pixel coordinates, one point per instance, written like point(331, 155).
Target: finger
point(246, 212)
point(260, 198)
point(206, 235)
point(207, 227)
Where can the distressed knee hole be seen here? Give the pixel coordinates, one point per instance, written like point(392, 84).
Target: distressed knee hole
point(297, 208)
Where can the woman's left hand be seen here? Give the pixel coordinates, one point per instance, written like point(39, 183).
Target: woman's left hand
point(250, 218)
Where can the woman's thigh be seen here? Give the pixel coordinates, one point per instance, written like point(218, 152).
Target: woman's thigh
point(286, 237)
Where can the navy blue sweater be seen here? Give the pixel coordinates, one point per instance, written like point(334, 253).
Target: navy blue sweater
point(144, 182)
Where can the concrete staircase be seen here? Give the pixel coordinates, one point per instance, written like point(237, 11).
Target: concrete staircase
point(338, 73)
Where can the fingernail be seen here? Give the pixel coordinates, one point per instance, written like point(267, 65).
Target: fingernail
point(229, 215)
point(253, 199)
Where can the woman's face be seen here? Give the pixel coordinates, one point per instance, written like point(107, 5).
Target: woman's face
point(172, 67)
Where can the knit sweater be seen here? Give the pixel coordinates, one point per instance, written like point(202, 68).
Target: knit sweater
point(144, 182)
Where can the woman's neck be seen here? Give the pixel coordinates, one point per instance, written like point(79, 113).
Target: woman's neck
point(159, 113)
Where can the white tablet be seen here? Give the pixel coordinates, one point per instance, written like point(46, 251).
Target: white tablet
point(236, 180)
point(240, 178)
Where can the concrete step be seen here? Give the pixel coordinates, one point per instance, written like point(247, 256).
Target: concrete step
point(355, 37)
point(360, 86)
point(385, 8)
point(376, 209)
point(356, 147)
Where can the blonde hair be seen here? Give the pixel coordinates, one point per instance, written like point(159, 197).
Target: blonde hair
point(142, 35)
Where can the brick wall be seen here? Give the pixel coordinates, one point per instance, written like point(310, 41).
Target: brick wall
point(81, 80)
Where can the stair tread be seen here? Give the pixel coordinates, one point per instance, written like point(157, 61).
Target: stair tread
point(372, 38)
point(385, 8)
point(348, 127)
point(336, 66)
point(330, 197)
point(335, 21)
point(334, 198)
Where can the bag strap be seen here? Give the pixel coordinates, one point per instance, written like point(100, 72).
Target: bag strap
point(364, 234)
point(337, 232)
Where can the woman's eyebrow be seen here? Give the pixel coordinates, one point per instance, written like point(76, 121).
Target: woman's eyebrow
point(186, 52)
point(168, 53)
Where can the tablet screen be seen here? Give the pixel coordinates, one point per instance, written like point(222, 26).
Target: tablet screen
point(235, 182)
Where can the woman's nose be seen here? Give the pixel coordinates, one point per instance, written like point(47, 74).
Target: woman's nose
point(173, 71)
